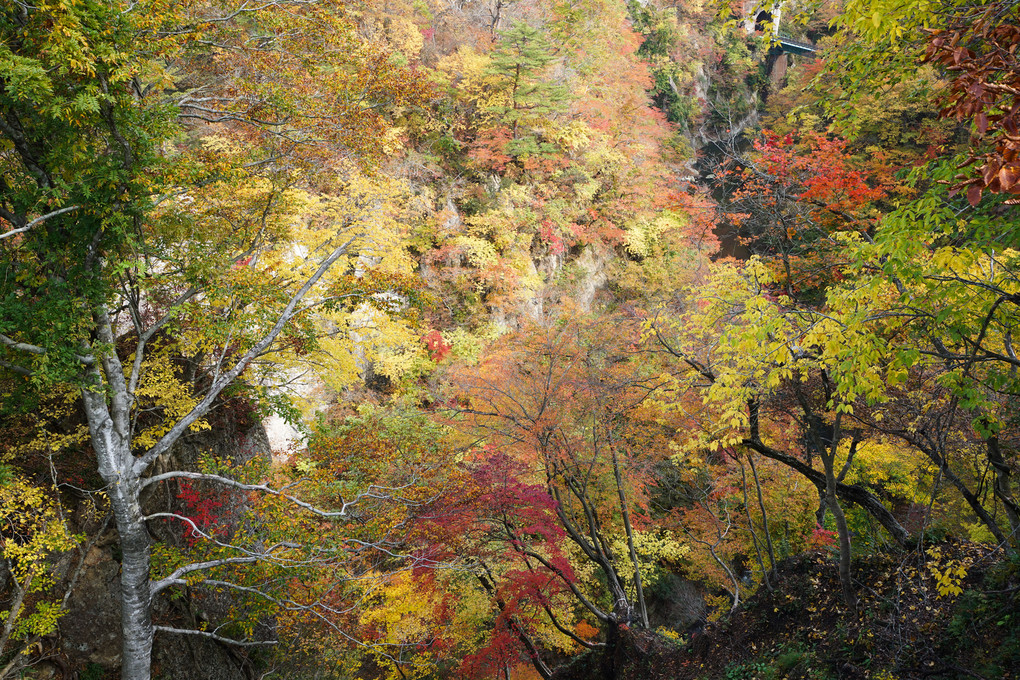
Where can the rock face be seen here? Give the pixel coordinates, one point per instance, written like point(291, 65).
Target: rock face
point(676, 603)
point(90, 631)
point(187, 657)
point(594, 265)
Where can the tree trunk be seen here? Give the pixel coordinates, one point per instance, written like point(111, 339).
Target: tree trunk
point(594, 546)
point(610, 652)
point(136, 597)
point(750, 527)
point(124, 489)
point(844, 545)
point(489, 584)
point(1003, 487)
point(625, 511)
point(764, 514)
point(107, 404)
point(828, 456)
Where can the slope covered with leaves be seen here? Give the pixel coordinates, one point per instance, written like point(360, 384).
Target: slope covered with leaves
point(947, 612)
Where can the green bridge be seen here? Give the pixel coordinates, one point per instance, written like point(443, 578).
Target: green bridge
point(791, 46)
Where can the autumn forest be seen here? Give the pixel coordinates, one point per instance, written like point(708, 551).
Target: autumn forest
point(509, 339)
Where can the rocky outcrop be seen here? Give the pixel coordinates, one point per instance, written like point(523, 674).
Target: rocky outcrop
point(90, 630)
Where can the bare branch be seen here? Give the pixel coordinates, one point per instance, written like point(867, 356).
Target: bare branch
point(37, 221)
point(14, 368)
point(37, 350)
point(213, 636)
point(175, 577)
point(142, 463)
point(21, 346)
point(226, 481)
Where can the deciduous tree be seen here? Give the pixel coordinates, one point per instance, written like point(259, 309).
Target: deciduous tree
point(126, 222)
point(569, 407)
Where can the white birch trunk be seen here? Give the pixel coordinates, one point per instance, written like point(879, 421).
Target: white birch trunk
point(113, 451)
point(136, 596)
point(108, 399)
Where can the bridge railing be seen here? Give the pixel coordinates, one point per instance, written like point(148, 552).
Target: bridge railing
point(787, 42)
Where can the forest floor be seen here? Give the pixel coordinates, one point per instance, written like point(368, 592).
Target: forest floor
point(906, 625)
